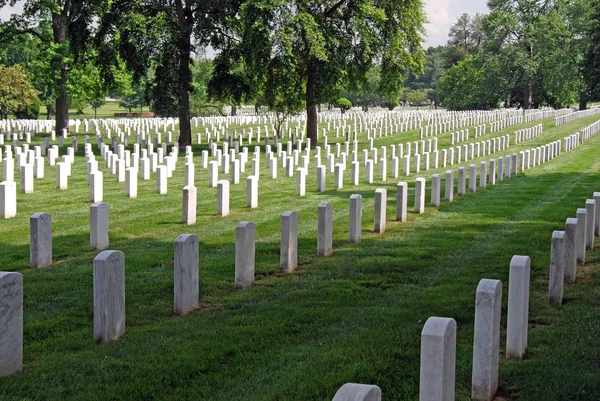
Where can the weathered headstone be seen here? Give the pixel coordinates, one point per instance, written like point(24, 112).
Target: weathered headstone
point(289, 242)
point(325, 229)
point(462, 181)
point(450, 185)
point(358, 392)
point(557, 267)
point(486, 344)
point(244, 254)
point(570, 249)
point(188, 210)
point(581, 234)
point(40, 240)
point(590, 206)
point(597, 214)
point(518, 307)
point(355, 218)
point(401, 201)
point(436, 188)
point(438, 360)
point(420, 195)
point(99, 226)
point(380, 210)
point(11, 323)
point(186, 294)
point(483, 175)
point(472, 178)
point(109, 296)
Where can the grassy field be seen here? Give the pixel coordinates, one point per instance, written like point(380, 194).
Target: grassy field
point(353, 317)
point(106, 111)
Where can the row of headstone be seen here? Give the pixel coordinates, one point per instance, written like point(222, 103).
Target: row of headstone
point(567, 118)
point(569, 247)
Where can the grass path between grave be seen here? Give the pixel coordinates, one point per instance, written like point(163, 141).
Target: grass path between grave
point(352, 317)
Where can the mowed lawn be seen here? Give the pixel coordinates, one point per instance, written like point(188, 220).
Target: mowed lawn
point(353, 317)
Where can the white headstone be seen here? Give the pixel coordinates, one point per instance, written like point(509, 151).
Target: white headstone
point(186, 295)
point(11, 323)
point(244, 254)
point(99, 226)
point(289, 242)
point(486, 344)
point(380, 210)
point(325, 229)
point(40, 239)
point(109, 296)
point(438, 360)
point(518, 307)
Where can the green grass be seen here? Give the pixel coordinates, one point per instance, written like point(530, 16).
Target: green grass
point(108, 110)
point(353, 317)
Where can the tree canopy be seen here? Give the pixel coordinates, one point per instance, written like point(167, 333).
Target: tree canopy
point(16, 91)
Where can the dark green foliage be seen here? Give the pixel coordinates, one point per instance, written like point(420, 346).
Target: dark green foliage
point(343, 104)
point(30, 113)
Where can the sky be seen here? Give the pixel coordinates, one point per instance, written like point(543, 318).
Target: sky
point(441, 14)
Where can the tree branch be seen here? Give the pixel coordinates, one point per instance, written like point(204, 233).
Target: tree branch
point(7, 35)
point(333, 8)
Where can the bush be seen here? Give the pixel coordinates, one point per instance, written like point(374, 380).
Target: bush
point(30, 113)
point(344, 104)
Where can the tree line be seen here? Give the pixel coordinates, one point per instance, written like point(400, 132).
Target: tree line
point(289, 56)
point(523, 53)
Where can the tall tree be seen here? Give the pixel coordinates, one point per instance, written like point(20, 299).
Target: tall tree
point(513, 30)
point(160, 35)
point(591, 60)
point(72, 23)
point(308, 49)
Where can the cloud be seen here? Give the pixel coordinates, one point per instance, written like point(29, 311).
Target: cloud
point(441, 14)
point(7, 11)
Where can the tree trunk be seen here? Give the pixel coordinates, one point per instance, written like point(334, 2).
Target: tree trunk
point(583, 99)
point(311, 102)
point(528, 96)
point(59, 30)
point(185, 20)
point(234, 111)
